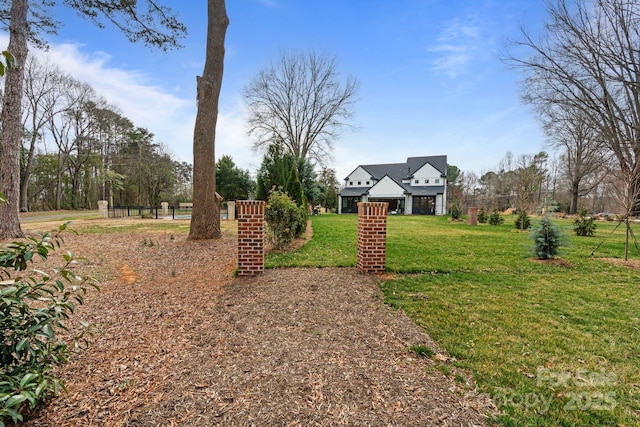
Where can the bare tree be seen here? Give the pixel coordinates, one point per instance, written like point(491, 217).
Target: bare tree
point(205, 218)
point(300, 103)
point(68, 128)
point(582, 151)
point(529, 175)
point(155, 26)
point(587, 61)
point(43, 92)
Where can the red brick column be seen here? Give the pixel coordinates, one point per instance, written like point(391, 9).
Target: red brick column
point(472, 216)
point(250, 237)
point(372, 236)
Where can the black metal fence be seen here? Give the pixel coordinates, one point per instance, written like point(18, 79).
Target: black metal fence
point(157, 212)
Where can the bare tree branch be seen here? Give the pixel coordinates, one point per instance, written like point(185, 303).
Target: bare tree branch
point(300, 103)
point(588, 62)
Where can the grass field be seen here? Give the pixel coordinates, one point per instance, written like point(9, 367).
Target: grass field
point(550, 344)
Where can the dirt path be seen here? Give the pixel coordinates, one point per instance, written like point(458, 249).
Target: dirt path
point(183, 343)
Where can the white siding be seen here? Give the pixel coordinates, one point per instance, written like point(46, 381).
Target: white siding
point(408, 205)
point(427, 173)
point(386, 188)
point(440, 208)
point(360, 176)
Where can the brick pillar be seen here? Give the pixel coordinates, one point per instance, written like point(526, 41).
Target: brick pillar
point(372, 236)
point(103, 208)
point(472, 216)
point(250, 237)
point(231, 210)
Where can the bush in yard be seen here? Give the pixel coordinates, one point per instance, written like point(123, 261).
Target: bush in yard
point(547, 238)
point(285, 220)
point(482, 216)
point(523, 222)
point(456, 211)
point(495, 218)
point(584, 225)
point(33, 309)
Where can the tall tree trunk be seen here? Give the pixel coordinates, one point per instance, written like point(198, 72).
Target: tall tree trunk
point(26, 175)
point(11, 122)
point(205, 218)
point(575, 192)
point(58, 194)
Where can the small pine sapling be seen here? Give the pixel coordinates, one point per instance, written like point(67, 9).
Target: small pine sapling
point(495, 218)
point(584, 225)
point(456, 211)
point(547, 238)
point(482, 216)
point(523, 222)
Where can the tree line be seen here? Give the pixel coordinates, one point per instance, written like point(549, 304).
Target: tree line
point(536, 183)
point(581, 75)
point(77, 149)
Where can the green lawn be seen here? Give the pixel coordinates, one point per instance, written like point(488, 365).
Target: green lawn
point(550, 344)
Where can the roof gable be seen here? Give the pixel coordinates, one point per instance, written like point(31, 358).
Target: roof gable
point(359, 173)
point(438, 162)
point(386, 187)
point(400, 171)
point(427, 171)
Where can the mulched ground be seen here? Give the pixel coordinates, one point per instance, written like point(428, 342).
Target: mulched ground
point(184, 343)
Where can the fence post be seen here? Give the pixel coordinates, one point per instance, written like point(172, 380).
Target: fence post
point(103, 208)
point(372, 236)
point(231, 210)
point(472, 216)
point(250, 237)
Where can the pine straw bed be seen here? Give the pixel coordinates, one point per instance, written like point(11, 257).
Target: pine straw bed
point(184, 343)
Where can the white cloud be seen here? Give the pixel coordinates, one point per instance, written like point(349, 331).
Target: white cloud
point(169, 117)
point(455, 47)
point(232, 139)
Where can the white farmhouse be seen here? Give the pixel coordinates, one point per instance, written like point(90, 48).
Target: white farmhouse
point(417, 187)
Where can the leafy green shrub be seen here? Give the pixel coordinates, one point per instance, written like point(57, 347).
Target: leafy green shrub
point(523, 222)
point(547, 238)
point(482, 216)
point(285, 220)
point(456, 211)
point(33, 308)
point(584, 225)
point(495, 218)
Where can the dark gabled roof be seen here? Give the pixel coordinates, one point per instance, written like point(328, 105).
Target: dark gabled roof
point(353, 191)
point(438, 162)
point(400, 171)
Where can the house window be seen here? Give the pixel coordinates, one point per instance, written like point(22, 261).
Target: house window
point(417, 181)
point(437, 181)
point(350, 204)
point(426, 181)
point(350, 182)
point(367, 182)
point(359, 182)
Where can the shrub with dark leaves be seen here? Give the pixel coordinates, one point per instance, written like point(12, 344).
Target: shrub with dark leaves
point(34, 306)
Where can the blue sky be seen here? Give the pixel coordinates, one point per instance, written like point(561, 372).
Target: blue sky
point(430, 79)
